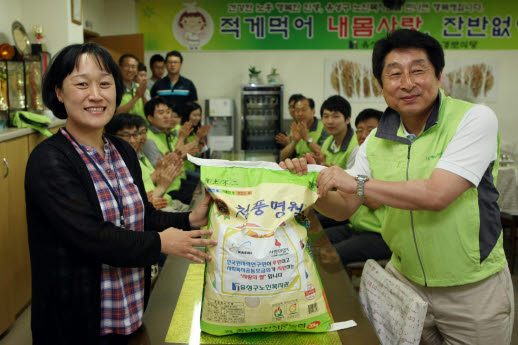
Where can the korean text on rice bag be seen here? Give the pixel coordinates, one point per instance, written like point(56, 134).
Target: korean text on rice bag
point(262, 277)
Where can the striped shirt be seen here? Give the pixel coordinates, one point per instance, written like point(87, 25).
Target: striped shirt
point(122, 288)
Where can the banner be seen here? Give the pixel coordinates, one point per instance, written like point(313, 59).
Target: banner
point(253, 25)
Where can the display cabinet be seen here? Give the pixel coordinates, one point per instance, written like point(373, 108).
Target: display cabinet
point(262, 114)
point(20, 87)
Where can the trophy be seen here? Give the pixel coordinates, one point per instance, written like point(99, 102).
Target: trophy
point(37, 30)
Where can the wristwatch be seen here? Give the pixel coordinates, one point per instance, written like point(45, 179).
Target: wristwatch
point(360, 185)
point(310, 140)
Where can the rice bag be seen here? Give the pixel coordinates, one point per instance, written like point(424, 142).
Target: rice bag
point(262, 277)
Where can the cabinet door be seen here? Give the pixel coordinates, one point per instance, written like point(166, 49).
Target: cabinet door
point(6, 317)
point(17, 151)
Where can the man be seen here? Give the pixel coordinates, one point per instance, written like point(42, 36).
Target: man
point(157, 182)
point(159, 116)
point(337, 148)
point(433, 162)
point(359, 239)
point(141, 78)
point(284, 138)
point(367, 120)
point(308, 133)
point(132, 99)
point(173, 87)
point(156, 63)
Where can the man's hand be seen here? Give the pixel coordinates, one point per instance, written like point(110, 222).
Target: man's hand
point(158, 203)
point(298, 165)
point(141, 89)
point(320, 158)
point(335, 177)
point(181, 243)
point(282, 138)
point(295, 132)
point(303, 130)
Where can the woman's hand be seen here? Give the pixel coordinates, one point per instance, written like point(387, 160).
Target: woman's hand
point(200, 215)
point(181, 243)
point(185, 130)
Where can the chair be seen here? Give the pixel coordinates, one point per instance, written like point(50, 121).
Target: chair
point(510, 221)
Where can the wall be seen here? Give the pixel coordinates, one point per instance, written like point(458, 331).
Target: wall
point(219, 74)
point(54, 15)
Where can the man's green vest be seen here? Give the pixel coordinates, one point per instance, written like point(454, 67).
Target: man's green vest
point(302, 147)
point(458, 245)
point(138, 107)
point(365, 219)
point(342, 155)
point(165, 142)
point(147, 170)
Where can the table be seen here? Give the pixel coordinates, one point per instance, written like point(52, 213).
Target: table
point(507, 185)
point(342, 298)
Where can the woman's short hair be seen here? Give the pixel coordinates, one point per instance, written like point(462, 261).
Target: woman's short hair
point(66, 60)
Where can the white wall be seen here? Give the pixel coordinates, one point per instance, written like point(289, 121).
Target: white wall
point(121, 17)
point(94, 15)
point(54, 15)
point(219, 74)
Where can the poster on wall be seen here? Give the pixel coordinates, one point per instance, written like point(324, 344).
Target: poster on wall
point(326, 24)
point(352, 79)
point(472, 80)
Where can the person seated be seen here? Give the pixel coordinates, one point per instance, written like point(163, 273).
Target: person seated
point(141, 78)
point(308, 133)
point(365, 122)
point(337, 148)
point(191, 119)
point(360, 239)
point(158, 181)
point(284, 138)
point(159, 115)
point(132, 99)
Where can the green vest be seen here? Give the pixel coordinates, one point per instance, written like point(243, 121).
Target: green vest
point(302, 146)
point(365, 219)
point(165, 142)
point(460, 244)
point(147, 170)
point(340, 157)
point(138, 107)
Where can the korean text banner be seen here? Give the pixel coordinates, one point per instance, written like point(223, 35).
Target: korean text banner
point(249, 25)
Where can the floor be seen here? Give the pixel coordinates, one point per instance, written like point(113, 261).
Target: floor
point(19, 333)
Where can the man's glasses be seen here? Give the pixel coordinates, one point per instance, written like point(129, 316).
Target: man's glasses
point(127, 136)
point(129, 66)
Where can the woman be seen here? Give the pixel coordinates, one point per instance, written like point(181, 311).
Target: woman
point(192, 114)
point(92, 231)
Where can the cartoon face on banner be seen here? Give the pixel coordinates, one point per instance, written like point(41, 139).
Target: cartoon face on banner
point(193, 27)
